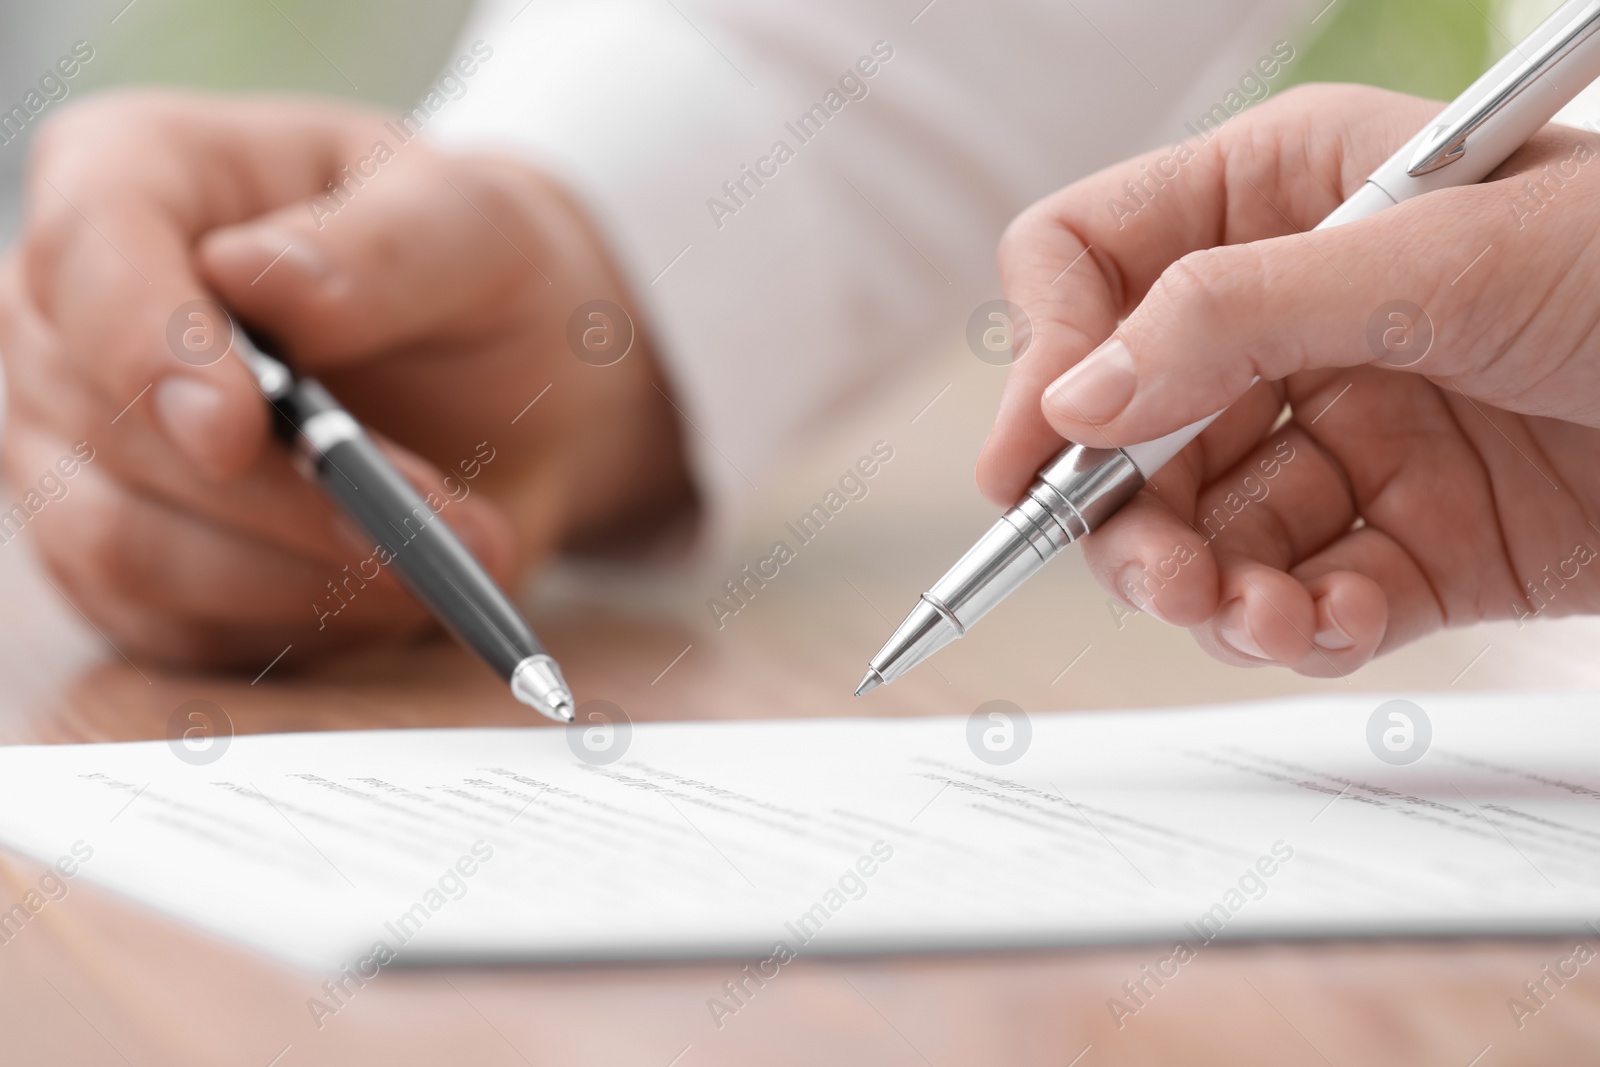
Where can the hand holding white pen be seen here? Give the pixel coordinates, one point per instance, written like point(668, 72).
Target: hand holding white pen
point(1440, 364)
point(1388, 504)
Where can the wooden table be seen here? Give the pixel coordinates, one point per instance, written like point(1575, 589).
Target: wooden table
point(98, 980)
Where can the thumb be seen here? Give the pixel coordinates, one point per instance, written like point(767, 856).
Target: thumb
point(1374, 291)
point(417, 246)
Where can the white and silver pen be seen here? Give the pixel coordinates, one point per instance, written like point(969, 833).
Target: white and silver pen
point(1082, 487)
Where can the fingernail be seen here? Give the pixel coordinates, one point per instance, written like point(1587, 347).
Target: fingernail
point(1330, 636)
point(1098, 388)
point(1130, 580)
point(1234, 629)
point(189, 410)
point(261, 250)
point(1133, 582)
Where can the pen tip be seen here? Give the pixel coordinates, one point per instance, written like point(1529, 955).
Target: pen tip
point(870, 682)
point(537, 682)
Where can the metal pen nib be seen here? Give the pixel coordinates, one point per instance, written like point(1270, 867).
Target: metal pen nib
point(537, 682)
point(1075, 492)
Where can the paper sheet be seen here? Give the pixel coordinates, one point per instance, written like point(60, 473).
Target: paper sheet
point(752, 840)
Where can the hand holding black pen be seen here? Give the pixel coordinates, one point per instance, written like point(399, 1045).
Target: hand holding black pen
point(430, 560)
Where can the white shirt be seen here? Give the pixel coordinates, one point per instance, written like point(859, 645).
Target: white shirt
point(872, 238)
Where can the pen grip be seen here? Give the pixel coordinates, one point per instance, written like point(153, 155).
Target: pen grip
point(407, 534)
point(430, 560)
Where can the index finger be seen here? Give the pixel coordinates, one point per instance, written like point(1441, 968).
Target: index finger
point(119, 190)
point(1081, 259)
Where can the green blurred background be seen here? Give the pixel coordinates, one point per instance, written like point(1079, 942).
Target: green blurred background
point(1427, 47)
point(384, 52)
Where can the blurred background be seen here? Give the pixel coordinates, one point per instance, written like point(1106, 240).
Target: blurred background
point(382, 52)
point(1061, 643)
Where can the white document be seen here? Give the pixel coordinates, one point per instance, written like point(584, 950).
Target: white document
point(757, 840)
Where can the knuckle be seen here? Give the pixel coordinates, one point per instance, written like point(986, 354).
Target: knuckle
point(512, 204)
point(123, 113)
point(78, 161)
point(1324, 98)
point(1020, 235)
point(98, 549)
point(192, 644)
point(1296, 97)
point(73, 141)
point(100, 608)
point(1209, 299)
point(1198, 289)
point(77, 124)
point(125, 364)
point(45, 411)
point(1037, 245)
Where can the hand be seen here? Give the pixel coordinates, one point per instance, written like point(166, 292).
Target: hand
point(1390, 500)
point(432, 296)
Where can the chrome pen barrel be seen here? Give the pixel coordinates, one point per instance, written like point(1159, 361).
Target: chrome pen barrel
point(1079, 489)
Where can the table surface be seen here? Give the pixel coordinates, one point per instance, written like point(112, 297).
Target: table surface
point(97, 979)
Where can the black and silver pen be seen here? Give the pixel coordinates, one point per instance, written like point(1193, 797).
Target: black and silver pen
point(432, 563)
point(1082, 487)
